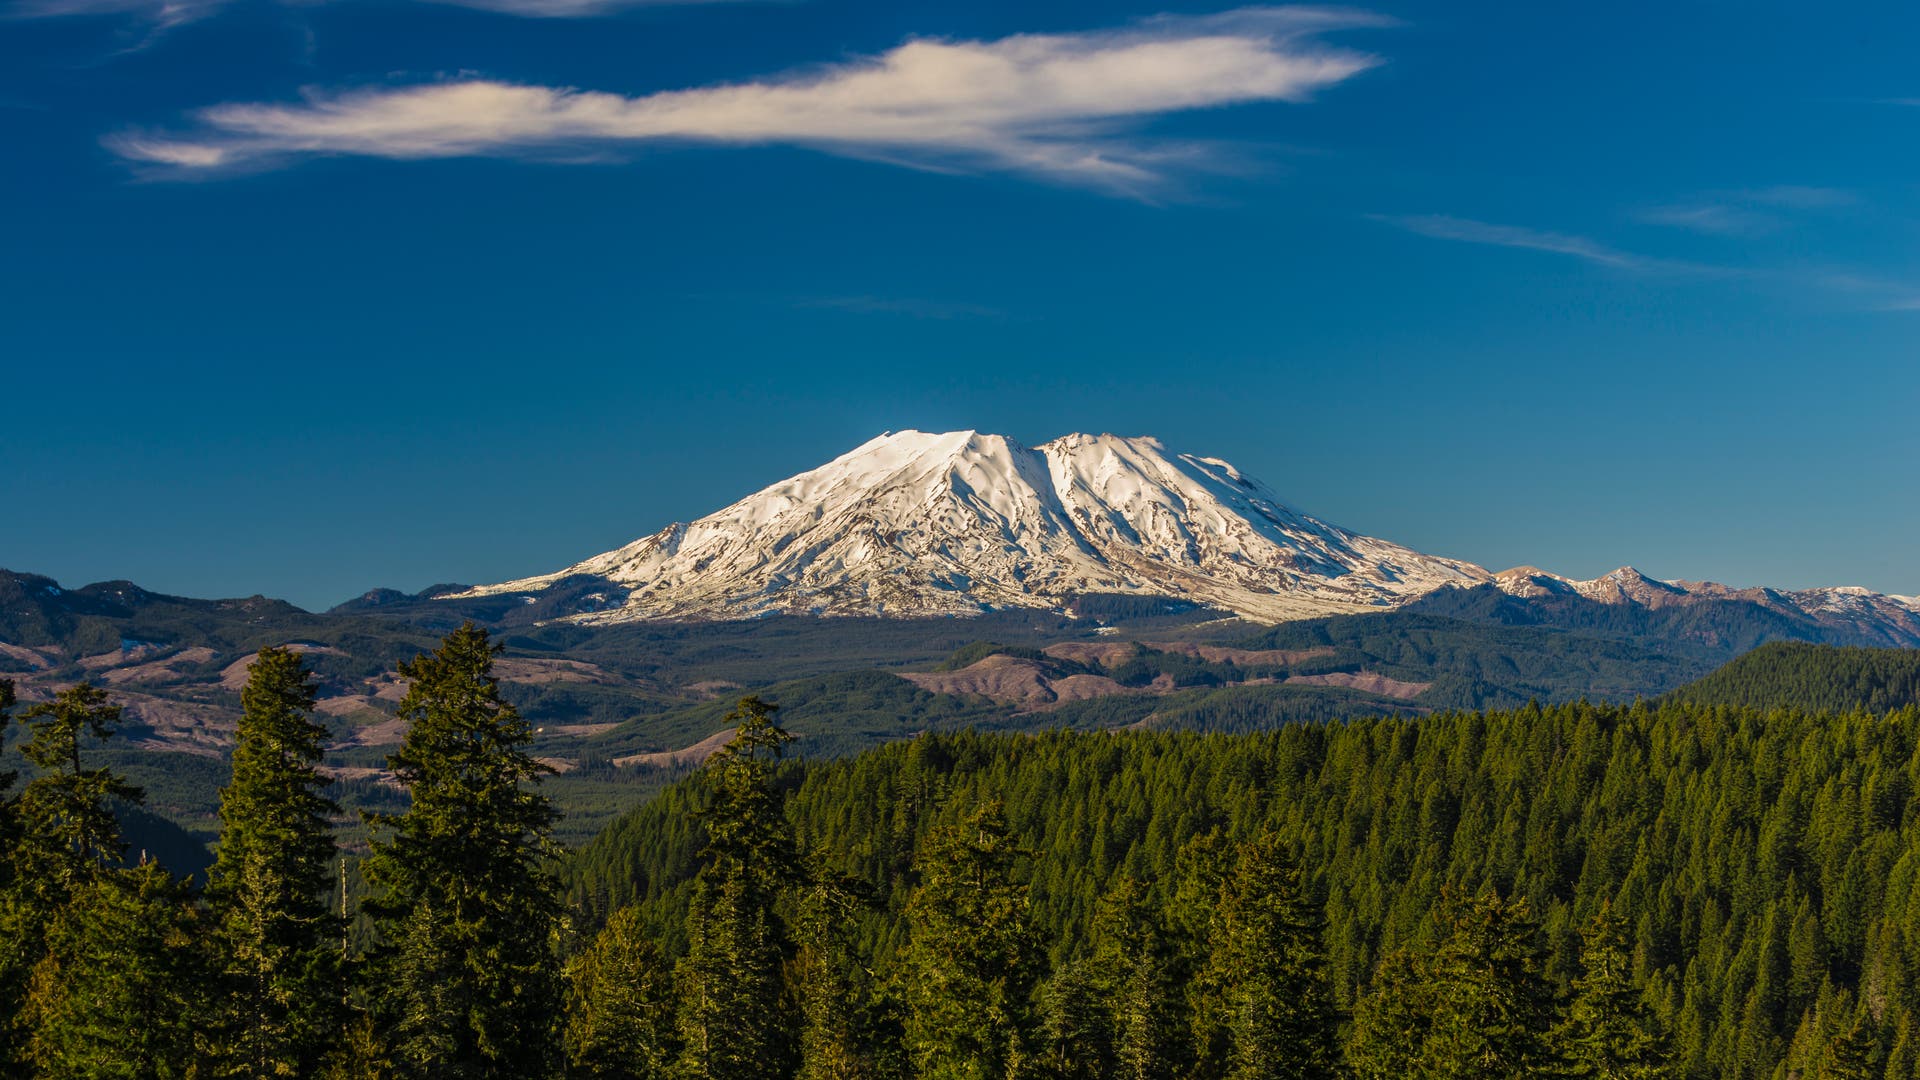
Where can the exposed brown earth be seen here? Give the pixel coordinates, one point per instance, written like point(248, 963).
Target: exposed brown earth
point(711, 688)
point(1000, 677)
point(234, 676)
point(1103, 653)
point(692, 755)
point(1365, 681)
point(37, 659)
point(117, 658)
point(521, 669)
point(157, 670)
point(1216, 654)
point(581, 730)
point(1083, 687)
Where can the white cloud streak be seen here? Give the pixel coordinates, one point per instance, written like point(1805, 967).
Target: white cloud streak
point(1747, 212)
point(1068, 107)
point(1870, 292)
point(169, 13)
point(1443, 227)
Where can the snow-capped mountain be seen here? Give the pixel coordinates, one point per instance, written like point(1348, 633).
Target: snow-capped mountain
point(913, 523)
point(1856, 614)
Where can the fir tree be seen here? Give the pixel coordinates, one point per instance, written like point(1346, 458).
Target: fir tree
point(268, 892)
point(972, 959)
point(68, 827)
point(733, 1016)
point(1076, 1035)
point(467, 912)
point(1134, 967)
point(1279, 1009)
point(1492, 1006)
point(1850, 1052)
point(115, 993)
point(839, 1039)
point(1608, 1034)
point(620, 1005)
point(1392, 1021)
point(65, 836)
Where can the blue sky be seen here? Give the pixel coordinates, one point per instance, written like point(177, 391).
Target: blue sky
point(307, 297)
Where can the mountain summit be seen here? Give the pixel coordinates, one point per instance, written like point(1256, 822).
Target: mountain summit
point(918, 524)
point(913, 523)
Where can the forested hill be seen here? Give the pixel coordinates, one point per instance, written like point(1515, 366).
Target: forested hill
point(1812, 678)
point(1766, 866)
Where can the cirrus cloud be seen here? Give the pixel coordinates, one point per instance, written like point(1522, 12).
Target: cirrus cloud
point(1062, 106)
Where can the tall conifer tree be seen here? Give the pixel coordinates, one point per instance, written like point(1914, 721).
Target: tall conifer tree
point(119, 989)
point(66, 835)
point(972, 958)
point(1279, 1009)
point(620, 1005)
point(734, 1019)
point(467, 910)
point(278, 939)
point(1608, 1033)
point(1492, 1005)
point(1134, 962)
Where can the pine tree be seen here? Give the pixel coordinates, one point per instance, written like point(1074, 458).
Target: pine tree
point(69, 830)
point(972, 959)
point(1850, 1053)
point(733, 1017)
point(268, 890)
point(1609, 1034)
point(838, 1036)
point(1392, 1021)
point(115, 994)
point(1279, 1010)
point(620, 1005)
point(1076, 1030)
point(1134, 967)
point(65, 835)
point(467, 912)
point(1492, 1006)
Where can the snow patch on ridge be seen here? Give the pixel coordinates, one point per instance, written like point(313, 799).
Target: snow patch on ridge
point(919, 523)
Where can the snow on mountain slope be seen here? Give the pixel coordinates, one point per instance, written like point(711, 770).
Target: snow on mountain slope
point(913, 523)
point(1864, 615)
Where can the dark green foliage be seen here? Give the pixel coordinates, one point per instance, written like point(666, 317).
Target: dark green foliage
point(620, 1005)
point(1491, 1004)
point(1392, 1022)
point(65, 837)
point(466, 912)
point(972, 959)
point(1754, 860)
point(278, 940)
point(118, 991)
point(846, 1032)
point(1478, 1006)
point(1812, 678)
point(1277, 1007)
point(66, 811)
point(1609, 1033)
point(1136, 972)
point(733, 1005)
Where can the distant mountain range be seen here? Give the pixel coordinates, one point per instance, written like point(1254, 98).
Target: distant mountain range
point(912, 524)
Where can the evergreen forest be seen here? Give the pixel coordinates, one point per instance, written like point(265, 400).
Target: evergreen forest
point(1721, 883)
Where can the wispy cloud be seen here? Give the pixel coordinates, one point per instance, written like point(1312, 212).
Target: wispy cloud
point(1745, 212)
point(1068, 107)
point(1716, 219)
point(169, 13)
point(1465, 230)
point(1862, 291)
